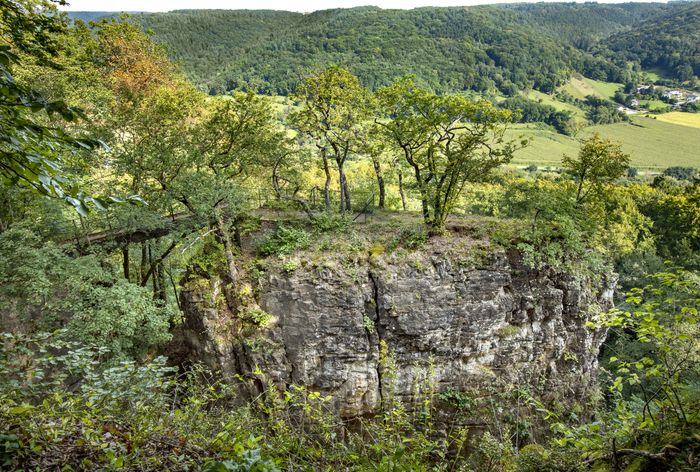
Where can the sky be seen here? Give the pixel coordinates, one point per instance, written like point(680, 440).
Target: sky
point(298, 5)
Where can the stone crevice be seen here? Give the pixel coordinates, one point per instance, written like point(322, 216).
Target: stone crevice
point(378, 330)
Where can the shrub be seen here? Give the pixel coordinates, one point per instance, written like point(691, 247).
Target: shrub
point(63, 408)
point(327, 221)
point(660, 355)
point(38, 281)
point(410, 238)
point(681, 173)
point(285, 240)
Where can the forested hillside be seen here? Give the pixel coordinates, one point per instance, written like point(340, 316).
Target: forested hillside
point(670, 41)
point(484, 48)
point(448, 49)
point(584, 24)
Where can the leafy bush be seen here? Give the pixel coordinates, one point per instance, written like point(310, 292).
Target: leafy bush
point(327, 221)
point(62, 407)
point(531, 111)
point(249, 460)
point(409, 238)
point(681, 173)
point(602, 111)
point(285, 240)
point(654, 412)
point(38, 281)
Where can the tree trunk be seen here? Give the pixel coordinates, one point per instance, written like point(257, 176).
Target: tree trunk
point(423, 196)
point(421, 185)
point(342, 190)
point(174, 286)
point(579, 191)
point(151, 270)
point(401, 192)
point(327, 186)
point(144, 262)
point(275, 180)
point(380, 180)
point(438, 220)
point(228, 247)
point(155, 266)
point(125, 263)
point(345, 204)
point(159, 276)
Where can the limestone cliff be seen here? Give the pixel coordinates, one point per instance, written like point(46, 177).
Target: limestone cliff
point(472, 319)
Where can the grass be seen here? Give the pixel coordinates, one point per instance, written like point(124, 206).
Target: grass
point(553, 102)
point(581, 87)
point(670, 139)
point(653, 144)
point(546, 147)
point(680, 118)
point(653, 105)
point(655, 74)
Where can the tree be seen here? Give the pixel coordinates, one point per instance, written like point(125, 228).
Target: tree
point(675, 212)
point(35, 144)
point(448, 141)
point(655, 372)
point(33, 27)
point(599, 161)
point(237, 135)
point(375, 147)
point(335, 107)
point(681, 173)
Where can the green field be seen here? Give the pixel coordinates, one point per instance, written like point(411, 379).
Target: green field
point(652, 144)
point(652, 105)
point(551, 101)
point(680, 118)
point(654, 74)
point(581, 87)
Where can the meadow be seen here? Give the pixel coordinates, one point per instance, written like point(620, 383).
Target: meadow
point(547, 99)
point(680, 118)
point(581, 87)
point(654, 105)
point(653, 143)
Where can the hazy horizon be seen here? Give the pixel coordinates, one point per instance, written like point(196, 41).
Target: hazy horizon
point(304, 6)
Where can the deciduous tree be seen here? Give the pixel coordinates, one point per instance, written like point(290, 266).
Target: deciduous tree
point(334, 110)
point(447, 140)
point(599, 161)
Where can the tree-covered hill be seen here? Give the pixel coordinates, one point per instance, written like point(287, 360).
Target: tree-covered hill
point(482, 48)
point(670, 41)
point(447, 49)
point(208, 43)
point(584, 24)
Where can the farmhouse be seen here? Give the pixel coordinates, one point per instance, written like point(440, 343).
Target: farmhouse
point(692, 98)
point(673, 94)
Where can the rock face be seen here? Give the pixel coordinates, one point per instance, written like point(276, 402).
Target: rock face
point(467, 323)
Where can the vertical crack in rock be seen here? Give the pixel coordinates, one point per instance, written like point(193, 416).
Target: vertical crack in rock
point(377, 326)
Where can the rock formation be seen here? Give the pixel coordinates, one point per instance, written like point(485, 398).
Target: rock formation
point(467, 321)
